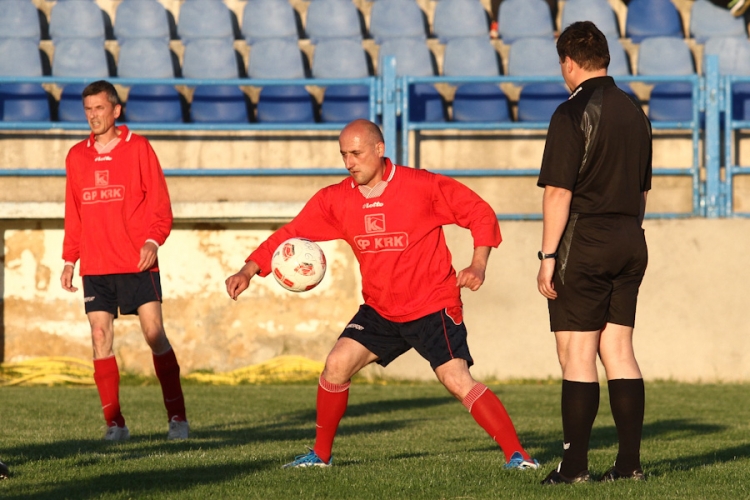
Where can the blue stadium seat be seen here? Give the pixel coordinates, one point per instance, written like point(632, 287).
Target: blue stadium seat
point(280, 104)
point(285, 104)
point(214, 58)
point(459, 18)
point(141, 19)
point(205, 19)
point(19, 19)
point(218, 104)
point(149, 58)
point(263, 19)
point(209, 58)
point(734, 59)
point(475, 102)
point(76, 19)
point(536, 57)
point(538, 101)
point(332, 19)
point(155, 104)
point(524, 18)
point(396, 19)
point(708, 20)
point(70, 106)
point(339, 59)
point(647, 18)
point(22, 101)
point(20, 57)
point(533, 57)
point(668, 56)
point(77, 57)
point(619, 64)
point(145, 58)
point(342, 58)
point(413, 58)
point(470, 57)
point(344, 103)
point(80, 57)
point(598, 12)
point(275, 58)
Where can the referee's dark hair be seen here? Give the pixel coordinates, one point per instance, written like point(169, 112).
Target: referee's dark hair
point(100, 86)
point(585, 44)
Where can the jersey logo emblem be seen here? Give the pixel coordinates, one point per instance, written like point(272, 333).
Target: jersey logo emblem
point(375, 223)
point(101, 177)
point(385, 242)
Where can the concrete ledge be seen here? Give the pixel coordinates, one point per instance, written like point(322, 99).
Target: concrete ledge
point(216, 211)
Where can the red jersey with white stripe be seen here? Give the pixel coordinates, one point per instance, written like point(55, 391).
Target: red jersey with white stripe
point(396, 233)
point(114, 202)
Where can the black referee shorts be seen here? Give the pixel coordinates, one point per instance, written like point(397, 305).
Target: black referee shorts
point(128, 292)
point(438, 337)
point(598, 272)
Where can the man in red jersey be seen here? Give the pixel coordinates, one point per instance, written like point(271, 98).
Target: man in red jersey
point(392, 217)
point(117, 214)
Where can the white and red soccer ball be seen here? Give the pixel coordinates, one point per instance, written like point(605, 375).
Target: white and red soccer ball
point(298, 264)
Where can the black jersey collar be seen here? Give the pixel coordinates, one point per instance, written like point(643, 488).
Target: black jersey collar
point(598, 81)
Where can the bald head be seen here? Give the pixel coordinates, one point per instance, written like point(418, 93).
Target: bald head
point(366, 130)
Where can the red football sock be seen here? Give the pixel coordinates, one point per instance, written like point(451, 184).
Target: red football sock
point(490, 413)
point(331, 405)
point(168, 373)
point(107, 378)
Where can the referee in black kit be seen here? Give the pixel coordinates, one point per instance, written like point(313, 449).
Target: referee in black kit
point(596, 171)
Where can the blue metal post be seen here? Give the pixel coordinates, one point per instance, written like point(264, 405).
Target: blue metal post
point(713, 177)
point(388, 74)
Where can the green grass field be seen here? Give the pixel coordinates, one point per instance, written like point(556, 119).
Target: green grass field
point(396, 441)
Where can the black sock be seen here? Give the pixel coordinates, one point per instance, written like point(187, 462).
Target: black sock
point(580, 403)
point(627, 398)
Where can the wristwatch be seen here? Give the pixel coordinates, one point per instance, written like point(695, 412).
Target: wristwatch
point(543, 255)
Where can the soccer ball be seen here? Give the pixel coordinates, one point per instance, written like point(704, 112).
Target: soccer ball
point(298, 264)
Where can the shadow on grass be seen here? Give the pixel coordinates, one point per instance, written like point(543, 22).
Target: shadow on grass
point(665, 466)
point(142, 482)
point(606, 436)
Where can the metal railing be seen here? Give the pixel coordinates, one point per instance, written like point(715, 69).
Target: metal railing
point(694, 126)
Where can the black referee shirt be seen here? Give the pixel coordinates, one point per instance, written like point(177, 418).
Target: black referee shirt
point(599, 147)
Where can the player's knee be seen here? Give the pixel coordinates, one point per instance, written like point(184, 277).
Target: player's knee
point(338, 369)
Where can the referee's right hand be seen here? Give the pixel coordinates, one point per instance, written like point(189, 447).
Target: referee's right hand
point(544, 279)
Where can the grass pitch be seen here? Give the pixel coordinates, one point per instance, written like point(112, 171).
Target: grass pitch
point(396, 441)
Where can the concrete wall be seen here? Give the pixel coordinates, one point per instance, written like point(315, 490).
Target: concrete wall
point(690, 324)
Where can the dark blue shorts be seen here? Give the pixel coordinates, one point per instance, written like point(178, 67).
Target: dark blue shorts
point(438, 337)
point(128, 292)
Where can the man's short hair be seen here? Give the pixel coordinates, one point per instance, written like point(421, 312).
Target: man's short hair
point(585, 44)
point(102, 86)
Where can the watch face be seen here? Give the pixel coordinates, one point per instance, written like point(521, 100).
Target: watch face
point(540, 255)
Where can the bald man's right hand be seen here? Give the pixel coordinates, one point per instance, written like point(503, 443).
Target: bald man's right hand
point(238, 283)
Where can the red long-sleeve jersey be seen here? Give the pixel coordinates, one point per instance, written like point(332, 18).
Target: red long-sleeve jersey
point(396, 235)
point(114, 202)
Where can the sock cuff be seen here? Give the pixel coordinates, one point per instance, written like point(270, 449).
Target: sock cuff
point(625, 382)
point(165, 360)
point(474, 394)
point(104, 366)
point(331, 387)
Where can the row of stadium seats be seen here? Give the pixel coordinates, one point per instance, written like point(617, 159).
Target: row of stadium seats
point(282, 59)
point(263, 19)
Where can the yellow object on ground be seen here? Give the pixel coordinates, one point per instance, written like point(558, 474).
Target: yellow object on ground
point(47, 371)
point(279, 369)
point(72, 371)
